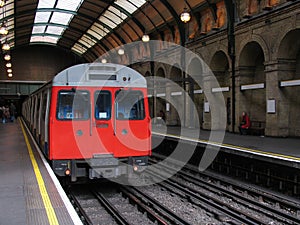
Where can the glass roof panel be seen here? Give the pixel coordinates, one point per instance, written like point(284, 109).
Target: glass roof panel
point(38, 29)
point(112, 17)
point(116, 17)
point(72, 5)
point(95, 34)
point(126, 5)
point(79, 48)
point(108, 22)
point(116, 11)
point(99, 29)
point(87, 41)
point(61, 18)
point(137, 3)
point(56, 17)
point(10, 38)
point(9, 8)
point(42, 17)
point(48, 39)
point(55, 30)
point(46, 4)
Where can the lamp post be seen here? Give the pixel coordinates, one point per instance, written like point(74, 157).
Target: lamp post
point(185, 17)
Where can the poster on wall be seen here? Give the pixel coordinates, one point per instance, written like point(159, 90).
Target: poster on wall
point(206, 107)
point(271, 106)
point(167, 107)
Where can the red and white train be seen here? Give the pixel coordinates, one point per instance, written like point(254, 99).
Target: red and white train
point(92, 120)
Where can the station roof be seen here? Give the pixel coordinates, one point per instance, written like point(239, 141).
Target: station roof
point(91, 27)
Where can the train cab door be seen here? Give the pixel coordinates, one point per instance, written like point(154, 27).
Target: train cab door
point(131, 124)
point(70, 124)
point(83, 125)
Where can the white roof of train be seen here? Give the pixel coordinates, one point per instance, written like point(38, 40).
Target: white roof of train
point(99, 74)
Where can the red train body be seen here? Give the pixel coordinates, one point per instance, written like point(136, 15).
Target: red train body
point(92, 120)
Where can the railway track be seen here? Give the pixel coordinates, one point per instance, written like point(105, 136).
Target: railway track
point(121, 206)
point(186, 198)
point(239, 202)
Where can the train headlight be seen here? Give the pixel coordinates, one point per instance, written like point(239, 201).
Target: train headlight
point(68, 172)
point(135, 168)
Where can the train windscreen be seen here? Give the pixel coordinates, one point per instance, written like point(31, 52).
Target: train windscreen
point(129, 105)
point(73, 105)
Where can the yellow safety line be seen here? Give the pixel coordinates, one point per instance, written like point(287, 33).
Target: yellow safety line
point(234, 146)
point(47, 203)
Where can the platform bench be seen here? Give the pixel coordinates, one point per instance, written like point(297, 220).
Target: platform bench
point(257, 128)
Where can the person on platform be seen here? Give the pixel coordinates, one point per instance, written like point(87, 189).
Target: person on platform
point(245, 123)
point(12, 112)
point(161, 118)
point(162, 115)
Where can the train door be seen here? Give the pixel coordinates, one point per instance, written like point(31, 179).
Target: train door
point(103, 122)
point(70, 128)
point(131, 123)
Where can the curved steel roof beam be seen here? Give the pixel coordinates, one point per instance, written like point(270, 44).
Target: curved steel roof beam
point(130, 16)
point(153, 24)
point(213, 9)
point(177, 20)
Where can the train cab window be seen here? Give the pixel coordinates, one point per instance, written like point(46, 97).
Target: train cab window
point(73, 105)
point(129, 105)
point(102, 105)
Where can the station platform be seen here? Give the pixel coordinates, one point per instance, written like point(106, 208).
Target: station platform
point(29, 191)
point(282, 151)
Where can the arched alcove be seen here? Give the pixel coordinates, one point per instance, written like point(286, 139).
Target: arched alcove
point(252, 72)
point(289, 69)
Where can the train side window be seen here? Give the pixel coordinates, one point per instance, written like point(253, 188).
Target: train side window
point(44, 106)
point(102, 105)
point(73, 105)
point(130, 105)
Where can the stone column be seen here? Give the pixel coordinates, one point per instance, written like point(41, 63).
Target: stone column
point(277, 124)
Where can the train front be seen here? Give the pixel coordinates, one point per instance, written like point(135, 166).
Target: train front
point(99, 122)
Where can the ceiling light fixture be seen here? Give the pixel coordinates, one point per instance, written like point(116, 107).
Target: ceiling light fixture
point(7, 57)
point(121, 51)
point(2, 3)
point(3, 29)
point(8, 65)
point(185, 16)
point(145, 38)
point(5, 47)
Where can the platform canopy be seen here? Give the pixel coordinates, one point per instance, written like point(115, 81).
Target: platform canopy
point(92, 27)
